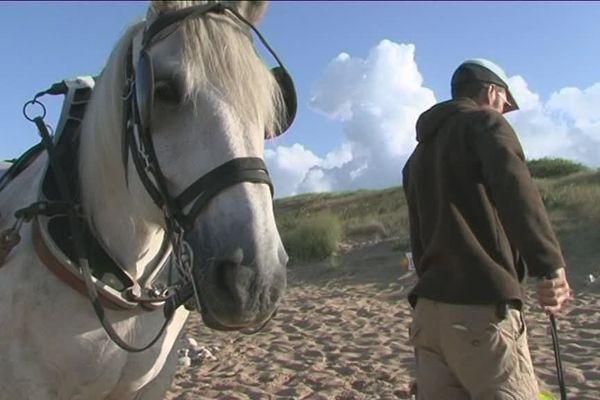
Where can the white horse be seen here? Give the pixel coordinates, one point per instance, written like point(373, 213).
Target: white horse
point(214, 101)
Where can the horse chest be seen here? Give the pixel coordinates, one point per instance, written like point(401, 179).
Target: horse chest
point(58, 354)
point(61, 358)
point(56, 348)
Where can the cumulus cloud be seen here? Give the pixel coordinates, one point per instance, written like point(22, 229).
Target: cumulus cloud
point(566, 125)
point(377, 101)
point(288, 167)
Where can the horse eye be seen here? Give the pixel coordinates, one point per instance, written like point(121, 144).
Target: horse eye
point(167, 92)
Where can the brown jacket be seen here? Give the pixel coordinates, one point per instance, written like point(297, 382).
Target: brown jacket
point(475, 214)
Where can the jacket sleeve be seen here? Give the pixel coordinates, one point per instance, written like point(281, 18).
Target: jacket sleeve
point(515, 194)
point(416, 247)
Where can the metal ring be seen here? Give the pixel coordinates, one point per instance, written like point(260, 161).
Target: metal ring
point(129, 84)
point(31, 103)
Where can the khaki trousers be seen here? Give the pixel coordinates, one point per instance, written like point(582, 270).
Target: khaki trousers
point(466, 352)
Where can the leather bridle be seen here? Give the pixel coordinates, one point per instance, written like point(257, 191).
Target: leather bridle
point(138, 138)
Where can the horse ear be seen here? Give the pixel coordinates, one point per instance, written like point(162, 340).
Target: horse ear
point(157, 7)
point(251, 10)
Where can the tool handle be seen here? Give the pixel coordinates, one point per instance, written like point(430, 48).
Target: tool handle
point(557, 358)
point(556, 346)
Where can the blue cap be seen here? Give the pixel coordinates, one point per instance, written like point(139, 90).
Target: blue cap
point(482, 70)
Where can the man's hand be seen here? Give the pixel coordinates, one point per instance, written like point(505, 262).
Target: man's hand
point(554, 293)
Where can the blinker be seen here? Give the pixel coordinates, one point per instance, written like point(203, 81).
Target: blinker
point(144, 90)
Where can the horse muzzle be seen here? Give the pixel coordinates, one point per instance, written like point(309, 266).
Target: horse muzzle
point(235, 294)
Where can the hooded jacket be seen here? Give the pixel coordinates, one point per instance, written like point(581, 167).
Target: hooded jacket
point(477, 221)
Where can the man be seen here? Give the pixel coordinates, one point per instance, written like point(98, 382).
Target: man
point(477, 227)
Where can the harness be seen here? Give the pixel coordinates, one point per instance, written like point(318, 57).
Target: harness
point(58, 214)
point(51, 230)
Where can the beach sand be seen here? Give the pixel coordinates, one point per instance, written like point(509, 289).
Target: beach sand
point(341, 333)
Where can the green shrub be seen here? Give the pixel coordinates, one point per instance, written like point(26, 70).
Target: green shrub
point(577, 196)
point(370, 229)
point(312, 238)
point(554, 167)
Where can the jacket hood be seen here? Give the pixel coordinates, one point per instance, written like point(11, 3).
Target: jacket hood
point(431, 120)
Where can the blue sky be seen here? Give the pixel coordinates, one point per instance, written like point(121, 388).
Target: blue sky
point(364, 71)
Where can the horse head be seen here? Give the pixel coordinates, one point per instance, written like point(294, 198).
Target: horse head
point(172, 146)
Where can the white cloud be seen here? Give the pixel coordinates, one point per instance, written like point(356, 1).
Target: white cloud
point(526, 99)
point(579, 105)
point(316, 181)
point(378, 100)
point(567, 125)
point(288, 167)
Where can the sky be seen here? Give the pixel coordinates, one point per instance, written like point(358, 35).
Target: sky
point(364, 71)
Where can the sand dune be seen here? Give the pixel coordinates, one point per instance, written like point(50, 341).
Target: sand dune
point(341, 333)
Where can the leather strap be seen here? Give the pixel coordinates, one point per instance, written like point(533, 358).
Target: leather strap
point(54, 265)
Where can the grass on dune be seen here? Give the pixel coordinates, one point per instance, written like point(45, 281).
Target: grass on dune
point(313, 225)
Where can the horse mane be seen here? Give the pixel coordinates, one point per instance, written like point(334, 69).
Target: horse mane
point(102, 127)
point(215, 54)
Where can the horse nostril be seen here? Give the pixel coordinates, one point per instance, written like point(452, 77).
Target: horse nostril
point(222, 272)
point(230, 275)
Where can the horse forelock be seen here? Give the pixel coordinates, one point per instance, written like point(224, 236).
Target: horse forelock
point(219, 53)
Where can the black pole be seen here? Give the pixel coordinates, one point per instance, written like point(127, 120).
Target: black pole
point(557, 359)
point(555, 345)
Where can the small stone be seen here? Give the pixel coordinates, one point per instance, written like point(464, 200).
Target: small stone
point(207, 354)
point(193, 344)
point(185, 361)
point(183, 352)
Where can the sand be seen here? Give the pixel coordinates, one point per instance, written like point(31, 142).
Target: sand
point(341, 333)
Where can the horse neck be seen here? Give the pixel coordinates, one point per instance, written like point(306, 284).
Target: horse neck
point(122, 216)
